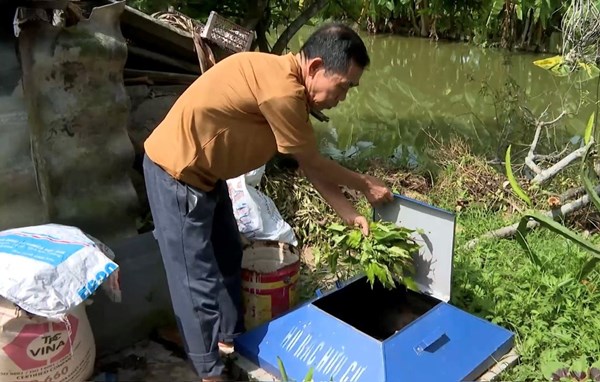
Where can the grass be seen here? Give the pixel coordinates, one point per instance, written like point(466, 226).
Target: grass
point(554, 315)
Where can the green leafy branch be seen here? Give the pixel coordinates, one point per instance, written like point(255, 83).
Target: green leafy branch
point(385, 255)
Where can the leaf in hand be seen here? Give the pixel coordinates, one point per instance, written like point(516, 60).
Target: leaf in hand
point(399, 252)
point(411, 284)
point(385, 255)
point(354, 239)
point(381, 273)
point(382, 236)
point(317, 255)
point(370, 272)
point(338, 239)
point(337, 227)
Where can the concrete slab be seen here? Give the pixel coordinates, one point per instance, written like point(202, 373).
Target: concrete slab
point(503, 363)
point(243, 367)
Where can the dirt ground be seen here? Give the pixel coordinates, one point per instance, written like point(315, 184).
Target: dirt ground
point(152, 361)
point(147, 361)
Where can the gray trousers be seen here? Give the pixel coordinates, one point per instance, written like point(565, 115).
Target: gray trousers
point(202, 253)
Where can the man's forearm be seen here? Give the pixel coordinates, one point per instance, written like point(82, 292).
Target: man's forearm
point(335, 173)
point(332, 194)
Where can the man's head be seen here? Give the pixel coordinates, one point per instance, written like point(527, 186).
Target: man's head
point(333, 60)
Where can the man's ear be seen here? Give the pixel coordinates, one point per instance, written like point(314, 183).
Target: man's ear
point(314, 65)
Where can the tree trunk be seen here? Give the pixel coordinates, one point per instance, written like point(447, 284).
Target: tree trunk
point(507, 39)
point(363, 12)
point(538, 35)
point(424, 19)
point(526, 27)
point(261, 38)
point(413, 18)
point(255, 13)
point(295, 26)
point(530, 34)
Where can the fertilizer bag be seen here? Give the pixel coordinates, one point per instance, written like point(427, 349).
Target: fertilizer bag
point(36, 349)
point(50, 269)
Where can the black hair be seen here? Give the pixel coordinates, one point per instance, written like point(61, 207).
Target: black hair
point(338, 45)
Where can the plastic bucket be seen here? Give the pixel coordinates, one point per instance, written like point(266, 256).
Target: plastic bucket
point(270, 273)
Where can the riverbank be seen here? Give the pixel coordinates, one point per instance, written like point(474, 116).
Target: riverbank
point(553, 314)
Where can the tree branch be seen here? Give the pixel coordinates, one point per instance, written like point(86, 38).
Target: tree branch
point(261, 38)
point(571, 193)
point(510, 230)
point(551, 157)
point(550, 172)
point(255, 13)
point(530, 158)
point(295, 26)
point(548, 123)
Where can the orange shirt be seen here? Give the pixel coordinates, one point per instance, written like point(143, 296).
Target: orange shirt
point(233, 119)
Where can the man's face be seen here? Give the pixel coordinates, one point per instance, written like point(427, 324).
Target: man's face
point(327, 89)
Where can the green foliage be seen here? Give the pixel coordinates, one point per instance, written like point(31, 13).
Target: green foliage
point(200, 10)
point(300, 205)
point(513, 182)
point(586, 175)
point(578, 370)
point(552, 310)
point(284, 375)
point(481, 21)
point(555, 227)
point(554, 315)
point(550, 223)
point(550, 366)
point(385, 255)
point(589, 129)
point(548, 300)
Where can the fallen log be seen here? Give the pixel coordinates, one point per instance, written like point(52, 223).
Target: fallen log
point(509, 231)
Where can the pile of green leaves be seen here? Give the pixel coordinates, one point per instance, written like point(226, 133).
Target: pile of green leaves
point(386, 254)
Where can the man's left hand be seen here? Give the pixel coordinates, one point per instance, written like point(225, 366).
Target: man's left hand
point(376, 191)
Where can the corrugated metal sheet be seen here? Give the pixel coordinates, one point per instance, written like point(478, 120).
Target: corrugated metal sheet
point(78, 113)
point(20, 201)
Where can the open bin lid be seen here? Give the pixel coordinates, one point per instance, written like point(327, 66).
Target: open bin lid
point(433, 264)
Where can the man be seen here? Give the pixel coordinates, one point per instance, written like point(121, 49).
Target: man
point(231, 120)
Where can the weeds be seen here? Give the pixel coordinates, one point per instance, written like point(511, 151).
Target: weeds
point(554, 315)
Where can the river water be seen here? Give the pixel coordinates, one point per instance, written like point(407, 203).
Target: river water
point(418, 93)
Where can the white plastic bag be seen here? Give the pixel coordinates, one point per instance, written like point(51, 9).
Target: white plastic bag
point(256, 214)
point(111, 286)
point(254, 177)
point(47, 270)
point(245, 208)
point(273, 225)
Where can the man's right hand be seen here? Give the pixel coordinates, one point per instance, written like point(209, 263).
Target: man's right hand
point(362, 223)
point(376, 191)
